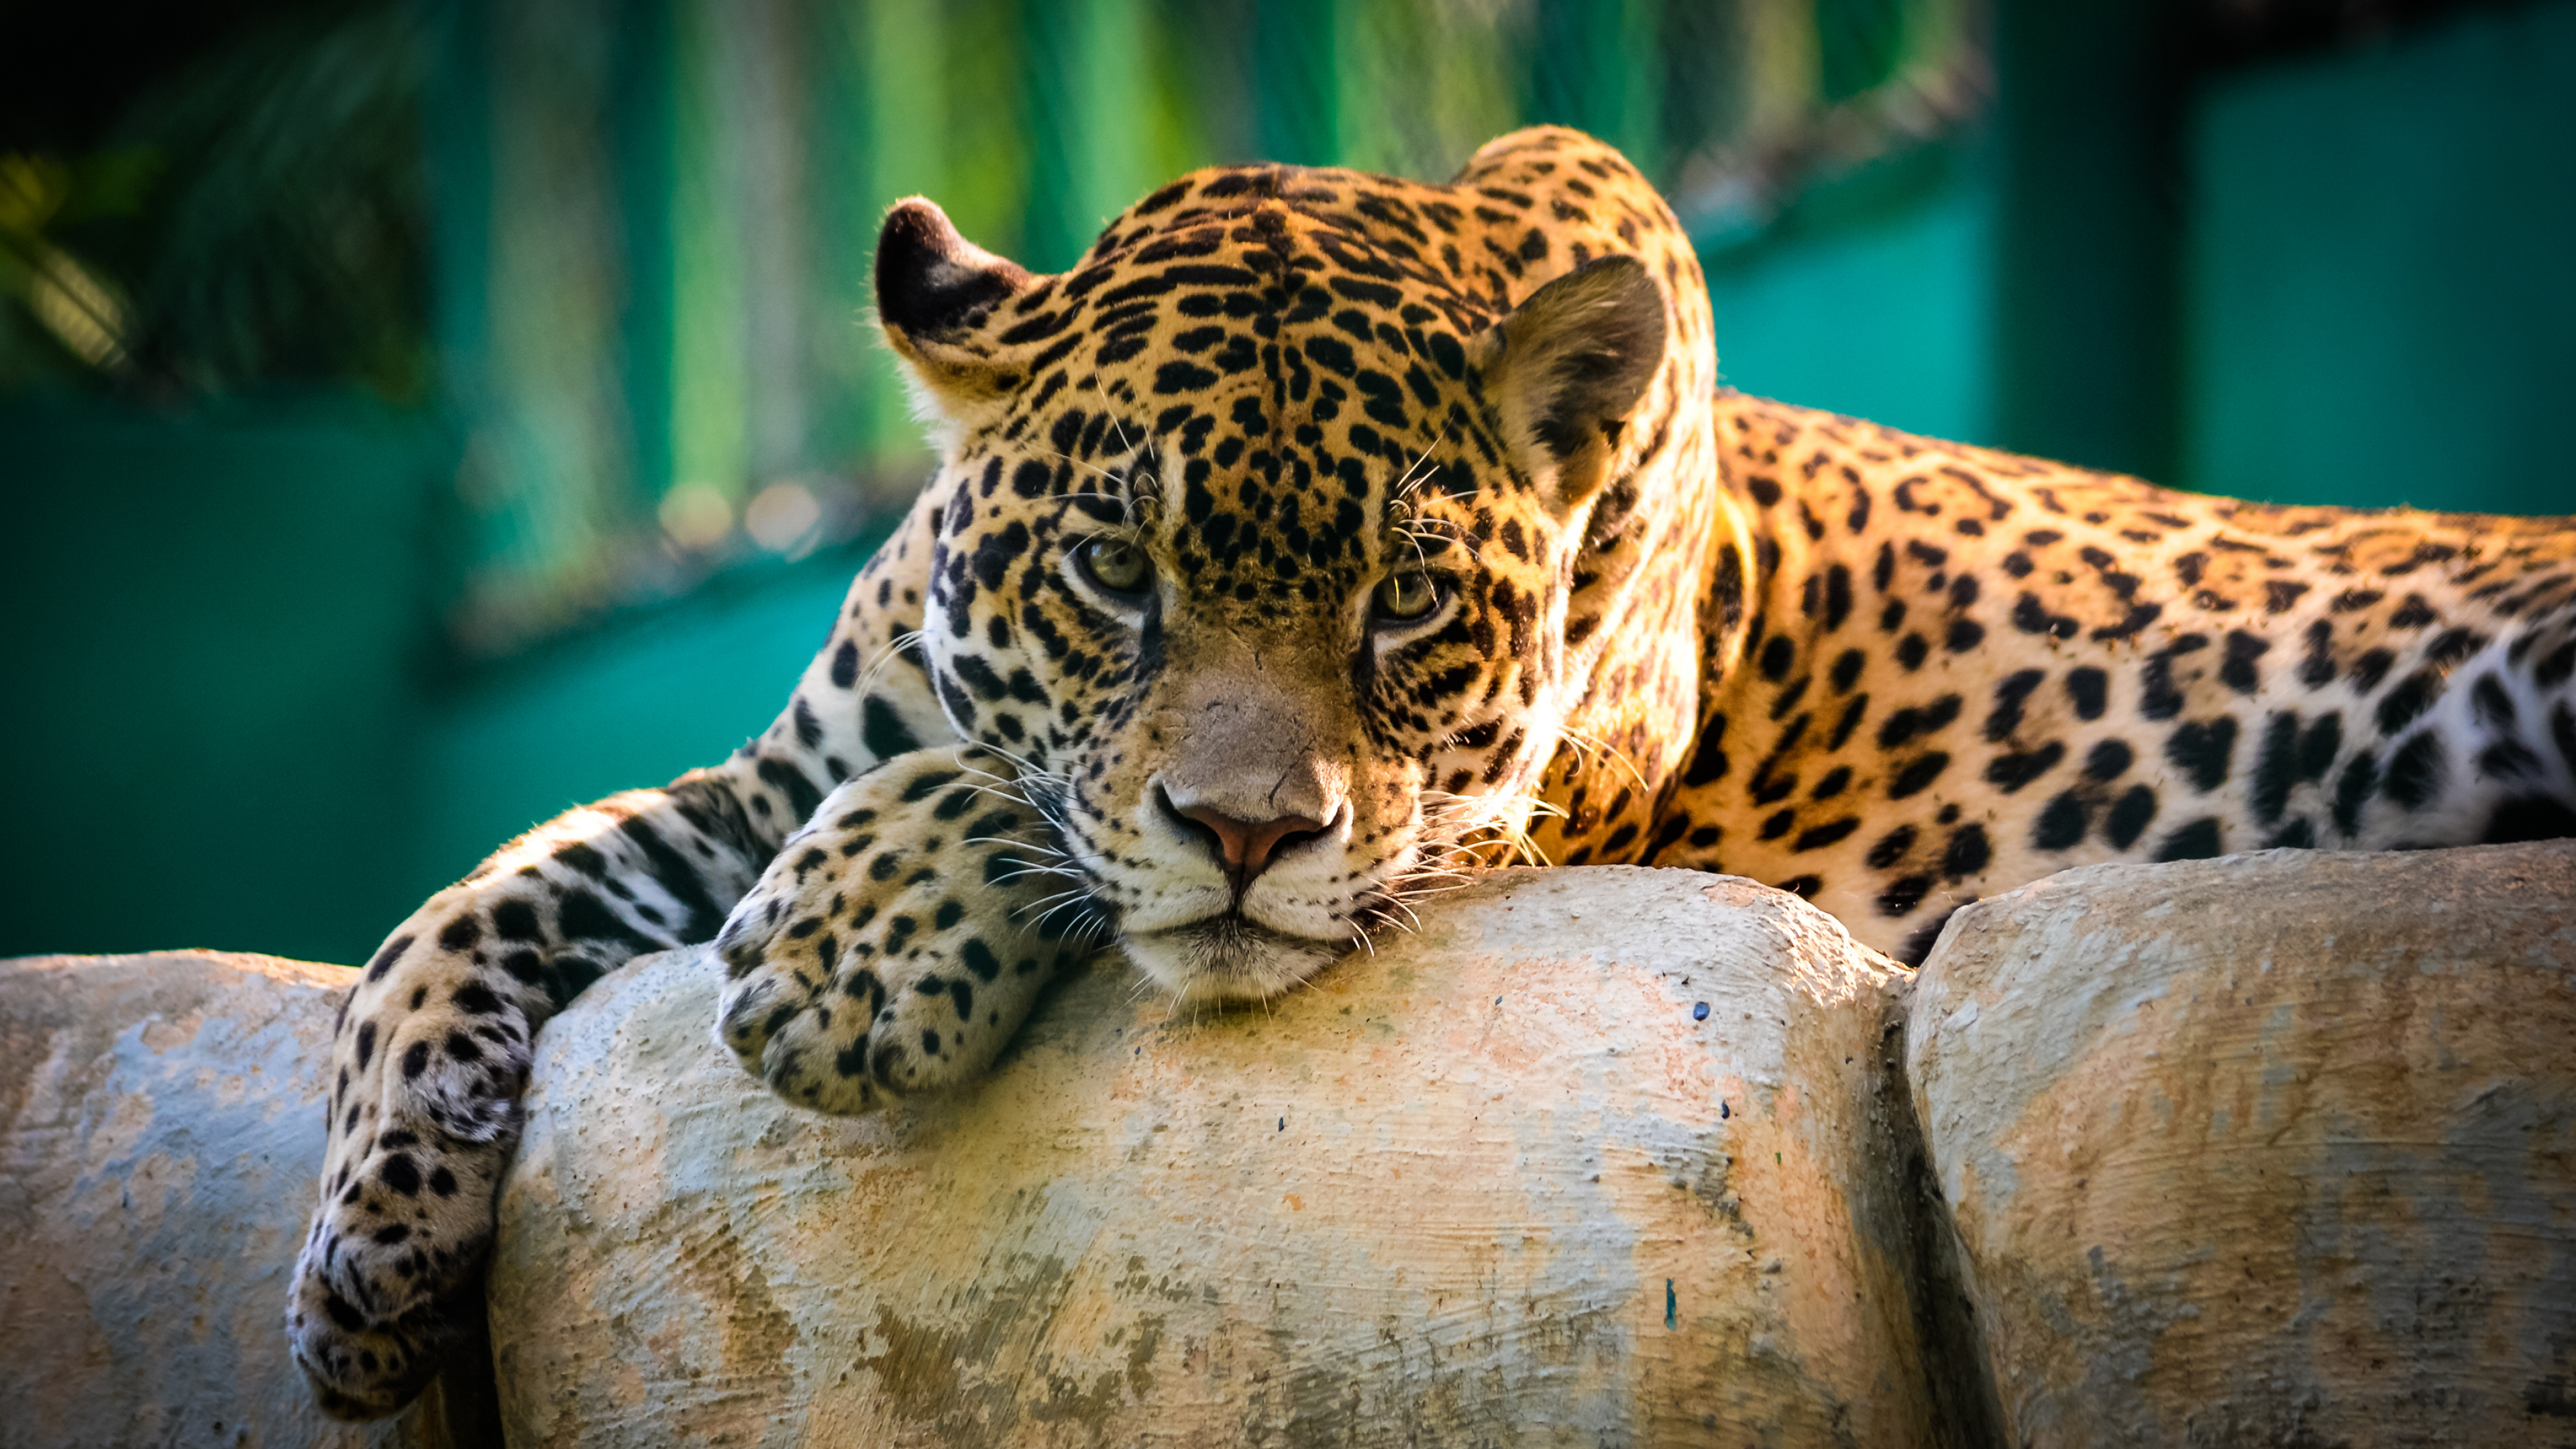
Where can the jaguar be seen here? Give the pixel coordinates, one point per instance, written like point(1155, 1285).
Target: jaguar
point(1320, 538)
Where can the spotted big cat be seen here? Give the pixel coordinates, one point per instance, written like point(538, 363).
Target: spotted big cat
point(1321, 538)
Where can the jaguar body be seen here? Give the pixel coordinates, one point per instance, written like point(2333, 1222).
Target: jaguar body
point(1321, 537)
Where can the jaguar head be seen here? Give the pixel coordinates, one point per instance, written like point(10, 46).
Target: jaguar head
point(1256, 550)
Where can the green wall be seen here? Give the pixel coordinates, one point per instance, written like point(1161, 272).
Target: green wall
point(2382, 258)
point(1875, 300)
point(634, 706)
point(211, 694)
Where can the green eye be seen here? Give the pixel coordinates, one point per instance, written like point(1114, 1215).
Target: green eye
point(1119, 567)
point(1406, 596)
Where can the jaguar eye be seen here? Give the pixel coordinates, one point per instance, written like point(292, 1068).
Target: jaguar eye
point(1404, 597)
point(1115, 565)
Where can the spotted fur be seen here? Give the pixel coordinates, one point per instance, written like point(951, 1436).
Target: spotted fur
point(870, 962)
point(1319, 537)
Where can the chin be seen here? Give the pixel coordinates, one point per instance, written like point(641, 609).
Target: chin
point(1229, 958)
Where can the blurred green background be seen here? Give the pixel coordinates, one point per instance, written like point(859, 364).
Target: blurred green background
point(416, 418)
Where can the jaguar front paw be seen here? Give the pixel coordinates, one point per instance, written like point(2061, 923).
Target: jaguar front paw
point(392, 1263)
point(368, 1338)
point(897, 942)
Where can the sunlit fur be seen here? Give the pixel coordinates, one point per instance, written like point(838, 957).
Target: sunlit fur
point(1679, 626)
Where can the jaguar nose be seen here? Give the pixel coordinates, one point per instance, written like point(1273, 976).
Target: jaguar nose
point(1247, 847)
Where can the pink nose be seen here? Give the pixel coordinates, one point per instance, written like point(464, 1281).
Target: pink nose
point(1247, 846)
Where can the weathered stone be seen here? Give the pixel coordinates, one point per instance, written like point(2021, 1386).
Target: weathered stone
point(160, 1135)
point(2276, 1149)
point(1503, 1183)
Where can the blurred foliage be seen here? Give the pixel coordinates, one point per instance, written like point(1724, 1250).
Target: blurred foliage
point(719, 166)
point(638, 298)
point(639, 295)
point(65, 313)
point(259, 218)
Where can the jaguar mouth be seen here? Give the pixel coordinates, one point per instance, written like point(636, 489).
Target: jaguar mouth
point(1230, 957)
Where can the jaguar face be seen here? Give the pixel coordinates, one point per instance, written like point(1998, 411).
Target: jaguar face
point(1256, 556)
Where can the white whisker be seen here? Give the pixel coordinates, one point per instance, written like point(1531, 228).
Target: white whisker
point(883, 660)
point(1589, 743)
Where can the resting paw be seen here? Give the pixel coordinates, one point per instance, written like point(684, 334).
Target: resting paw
point(423, 1126)
point(896, 943)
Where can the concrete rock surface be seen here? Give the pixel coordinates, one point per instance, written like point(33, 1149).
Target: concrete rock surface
point(1502, 1183)
point(2274, 1149)
point(160, 1134)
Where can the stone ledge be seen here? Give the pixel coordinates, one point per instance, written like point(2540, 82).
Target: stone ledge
point(160, 1134)
point(2273, 1149)
point(1503, 1183)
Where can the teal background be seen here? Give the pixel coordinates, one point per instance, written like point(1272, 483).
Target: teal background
point(2342, 279)
point(2382, 260)
point(213, 710)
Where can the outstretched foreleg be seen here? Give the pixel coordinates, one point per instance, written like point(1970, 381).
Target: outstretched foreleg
point(433, 1043)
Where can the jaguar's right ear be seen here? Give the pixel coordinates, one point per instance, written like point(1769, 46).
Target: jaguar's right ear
point(937, 296)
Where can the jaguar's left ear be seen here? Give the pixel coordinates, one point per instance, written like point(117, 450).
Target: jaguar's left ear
point(937, 295)
point(1565, 369)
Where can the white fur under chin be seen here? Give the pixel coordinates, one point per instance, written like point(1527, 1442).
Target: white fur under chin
point(1228, 958)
